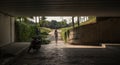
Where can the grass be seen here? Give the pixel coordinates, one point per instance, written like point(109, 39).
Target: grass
point(44, 34)
point(44, 29)
point(91, 21)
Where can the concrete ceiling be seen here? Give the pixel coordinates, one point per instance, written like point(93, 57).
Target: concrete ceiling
point(60, 7)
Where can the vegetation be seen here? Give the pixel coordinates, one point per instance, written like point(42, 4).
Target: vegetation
point(25, 30)
point(65, 33)
point(52, 24)
point(90, 21)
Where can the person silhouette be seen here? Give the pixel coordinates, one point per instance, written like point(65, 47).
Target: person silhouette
point(56, 36)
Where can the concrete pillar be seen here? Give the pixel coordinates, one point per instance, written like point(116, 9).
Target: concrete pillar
point(73, 21)
point(78, 20)
point(6, 29)
point(12, 21)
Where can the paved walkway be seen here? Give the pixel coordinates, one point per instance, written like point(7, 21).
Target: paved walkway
point(64, 54)
point(11, 51)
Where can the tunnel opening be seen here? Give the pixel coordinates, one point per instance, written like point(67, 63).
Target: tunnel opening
point(27, 27)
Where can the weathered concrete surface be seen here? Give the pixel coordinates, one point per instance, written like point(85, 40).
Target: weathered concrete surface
point(87, 35)
point(61, 7)
point(109, 29)
point(104, 30)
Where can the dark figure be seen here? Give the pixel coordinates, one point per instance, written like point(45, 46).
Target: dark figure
point(65, 36)
point(35, 44)
point(56, 36)
point(37, 31)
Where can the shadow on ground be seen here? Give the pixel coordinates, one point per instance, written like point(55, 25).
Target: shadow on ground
point(56, 55)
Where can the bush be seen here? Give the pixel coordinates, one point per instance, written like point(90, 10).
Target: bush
point(65, 33)
point(24, 32)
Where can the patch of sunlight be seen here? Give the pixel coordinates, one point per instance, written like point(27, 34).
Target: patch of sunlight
point(104, 45)
point(91, 21)
point(84, 46)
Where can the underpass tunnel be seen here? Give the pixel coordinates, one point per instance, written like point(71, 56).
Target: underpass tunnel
point(106, 28)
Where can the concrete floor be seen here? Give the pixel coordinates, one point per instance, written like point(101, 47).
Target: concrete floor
point(71, 55)
point(64, 54)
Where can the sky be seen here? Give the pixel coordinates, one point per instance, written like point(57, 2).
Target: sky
point(59, 18)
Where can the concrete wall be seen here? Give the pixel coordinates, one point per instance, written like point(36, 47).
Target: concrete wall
point(87, 34)
point(106, 30)
point(109, 29)
point(6, 29)
point(12, 29)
